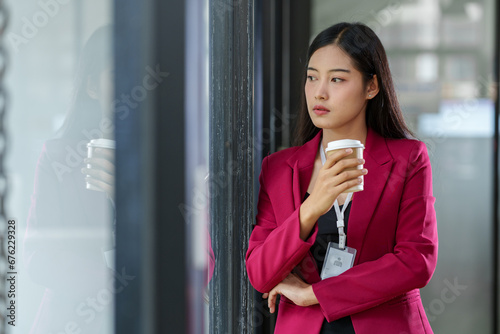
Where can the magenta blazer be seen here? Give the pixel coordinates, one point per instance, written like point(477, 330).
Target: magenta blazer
point(392, 225)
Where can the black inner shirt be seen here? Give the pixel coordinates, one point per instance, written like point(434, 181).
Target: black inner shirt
point(328, 232)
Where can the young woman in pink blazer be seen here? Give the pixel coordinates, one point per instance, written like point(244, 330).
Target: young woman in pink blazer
point(349, 94)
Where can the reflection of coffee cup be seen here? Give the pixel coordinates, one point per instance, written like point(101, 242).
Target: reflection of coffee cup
point(91, 146)
point(357, 153)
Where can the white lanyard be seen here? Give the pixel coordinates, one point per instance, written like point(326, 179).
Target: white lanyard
point(340, 214)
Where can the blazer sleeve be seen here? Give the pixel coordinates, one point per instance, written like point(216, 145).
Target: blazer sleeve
point(275, 248)
point(409, 266)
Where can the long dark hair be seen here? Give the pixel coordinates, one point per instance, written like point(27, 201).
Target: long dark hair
point(85, 113)
point(383, 113)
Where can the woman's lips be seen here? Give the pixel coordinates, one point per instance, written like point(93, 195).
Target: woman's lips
point(320, 110)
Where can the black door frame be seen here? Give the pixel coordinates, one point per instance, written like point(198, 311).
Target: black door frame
point(150, 230)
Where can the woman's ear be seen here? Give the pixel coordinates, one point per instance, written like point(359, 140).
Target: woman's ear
point(92, 89)
point(372, 88)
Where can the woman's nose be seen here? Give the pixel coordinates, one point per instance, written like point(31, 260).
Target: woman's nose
point(321, 92)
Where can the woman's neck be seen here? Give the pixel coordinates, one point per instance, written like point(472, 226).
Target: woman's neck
point(356, 134)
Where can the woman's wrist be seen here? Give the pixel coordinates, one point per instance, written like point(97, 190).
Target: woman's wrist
point(309, 296)
point(310, 217)
point(307, 220)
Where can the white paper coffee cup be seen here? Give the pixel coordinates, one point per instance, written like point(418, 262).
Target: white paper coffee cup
point(91, 146)
point(357, 153)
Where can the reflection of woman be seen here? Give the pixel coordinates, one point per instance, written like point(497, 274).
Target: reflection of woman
point(349, 94)
point(68, 224)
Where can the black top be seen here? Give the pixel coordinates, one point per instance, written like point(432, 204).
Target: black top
point(328, 232)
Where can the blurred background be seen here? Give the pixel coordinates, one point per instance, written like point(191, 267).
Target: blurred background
point(196, 93)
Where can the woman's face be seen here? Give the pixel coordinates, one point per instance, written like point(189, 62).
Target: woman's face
point(100, 88)
point(335, 92)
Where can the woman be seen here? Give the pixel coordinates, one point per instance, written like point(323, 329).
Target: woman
point(391, 224)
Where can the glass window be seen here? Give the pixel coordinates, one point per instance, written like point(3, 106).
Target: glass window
point(60, 85)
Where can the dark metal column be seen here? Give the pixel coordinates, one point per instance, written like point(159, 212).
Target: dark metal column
point(149, 91)
point(231, 162)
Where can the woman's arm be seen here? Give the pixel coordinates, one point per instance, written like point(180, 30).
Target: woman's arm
point(274, 250)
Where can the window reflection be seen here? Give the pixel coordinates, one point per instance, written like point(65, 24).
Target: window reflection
point(60, 80)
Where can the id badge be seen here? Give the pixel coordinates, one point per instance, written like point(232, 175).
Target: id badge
point(337, 260)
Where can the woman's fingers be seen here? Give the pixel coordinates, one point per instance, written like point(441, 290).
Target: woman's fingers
point(351, 174)
point(334, 157)
point(343, 164)
point(349, 184)
point(101, 163)
point(291, 280)
point(99, 175)
point(100, 170)
point(330, 183)
point(271, 301)
point(103, 186)
point(104, 153)
point(341, 172)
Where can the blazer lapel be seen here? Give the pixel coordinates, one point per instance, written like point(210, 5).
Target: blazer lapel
point(378, 161)
point(302, 164)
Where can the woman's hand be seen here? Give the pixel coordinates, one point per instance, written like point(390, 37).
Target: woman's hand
point(293, 288)
point(331, 181)
point(101, 173)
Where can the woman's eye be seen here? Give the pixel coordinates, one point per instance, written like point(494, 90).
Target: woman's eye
point(310, 78)
point(337, 80)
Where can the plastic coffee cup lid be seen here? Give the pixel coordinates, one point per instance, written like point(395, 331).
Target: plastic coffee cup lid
point(344, 143)
point(102, 142)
